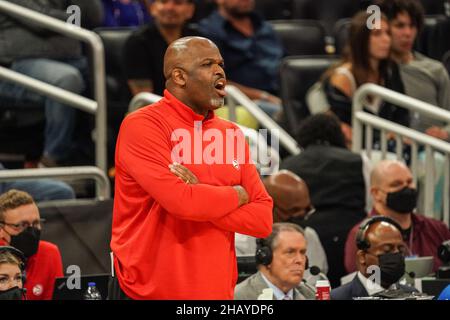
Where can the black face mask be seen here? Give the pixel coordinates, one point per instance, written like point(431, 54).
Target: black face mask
point(392, 268)
point(14, 293)
point(27, 241)
point(402, 201)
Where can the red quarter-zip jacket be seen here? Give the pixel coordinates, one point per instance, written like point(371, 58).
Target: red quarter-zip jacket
point(173, 240)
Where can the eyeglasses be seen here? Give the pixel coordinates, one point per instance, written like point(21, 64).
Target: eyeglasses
point(19, 227)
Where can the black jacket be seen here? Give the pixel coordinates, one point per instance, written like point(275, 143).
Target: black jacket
point(356, 289)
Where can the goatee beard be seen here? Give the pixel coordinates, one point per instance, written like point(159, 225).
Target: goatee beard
point(219, 102)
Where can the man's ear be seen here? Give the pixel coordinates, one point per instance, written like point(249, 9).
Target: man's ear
point(361, 259)
point(375, 192)
point(4, 237)
point(179, 77)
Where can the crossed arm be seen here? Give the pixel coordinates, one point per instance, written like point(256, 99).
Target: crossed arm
point(144, 154)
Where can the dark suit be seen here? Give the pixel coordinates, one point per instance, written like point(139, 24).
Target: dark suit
point(253, 286)
point(355, 289)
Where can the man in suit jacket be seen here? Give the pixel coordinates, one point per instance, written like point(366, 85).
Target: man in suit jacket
point(380, 260)
point(281, 260)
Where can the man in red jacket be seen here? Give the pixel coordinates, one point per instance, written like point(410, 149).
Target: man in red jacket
point(394, 195)
point(184, 186)
point(20, 227)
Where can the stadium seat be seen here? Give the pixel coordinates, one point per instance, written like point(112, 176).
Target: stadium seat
point(328, 12)
point(21, 133)
point(114, 40)
point(300, 37)
point(434, 6)
point(433, 40)
point(117, 92)
point(340, 33)
point(298, 74)
point(273, 10)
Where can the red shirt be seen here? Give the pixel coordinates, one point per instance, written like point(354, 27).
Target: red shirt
point(42, 270)
point(173, 240)
point(427, 235)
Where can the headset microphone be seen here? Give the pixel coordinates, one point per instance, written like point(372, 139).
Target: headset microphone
point(314, 270)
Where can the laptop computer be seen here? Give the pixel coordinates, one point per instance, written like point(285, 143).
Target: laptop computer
point(63, 290)
point(418, 267)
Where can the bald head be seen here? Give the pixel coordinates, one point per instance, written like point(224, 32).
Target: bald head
point(387, 179)
point(194, 73)
point(383, 238)
point(180, 53)
point(385, 169)
point(378, 232)
point(290, 194)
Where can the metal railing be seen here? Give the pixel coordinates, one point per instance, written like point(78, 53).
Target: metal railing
point(69, 173)
point(234, 95)
point(431, 144)
point(142, 99)
point(97, 107)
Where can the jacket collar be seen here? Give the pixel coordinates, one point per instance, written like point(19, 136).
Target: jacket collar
point(186, 113)
point(260, 284)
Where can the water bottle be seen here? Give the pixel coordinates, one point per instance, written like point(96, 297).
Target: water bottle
point(92, 292)
point(323, 290)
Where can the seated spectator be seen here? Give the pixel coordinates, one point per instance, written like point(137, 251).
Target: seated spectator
point(250, 48)
point(379, 244)
point(39, 189)
point(424, 78)
point(49, 57)
point(281, 260)
point(144, 50)
point(334, 176)
point(291, 201)
point(394, 195)
point(20, 227)
point(125, 13)
point(12, 267)
point(365, 60)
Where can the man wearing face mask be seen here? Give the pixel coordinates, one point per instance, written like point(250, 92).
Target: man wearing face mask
point(20, 227)
point(381, 260)
point(394, 195)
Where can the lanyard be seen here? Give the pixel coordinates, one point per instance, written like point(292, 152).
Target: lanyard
point(411, 238)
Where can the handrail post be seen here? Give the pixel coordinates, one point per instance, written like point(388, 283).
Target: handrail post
point(100, 96)
point(431, 144)
point(95, 42)
point(85, 172)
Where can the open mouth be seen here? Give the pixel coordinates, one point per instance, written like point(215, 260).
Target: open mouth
point(220, 87)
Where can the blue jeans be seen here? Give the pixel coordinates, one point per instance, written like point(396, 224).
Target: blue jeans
point(60, 118)
point(41, 190)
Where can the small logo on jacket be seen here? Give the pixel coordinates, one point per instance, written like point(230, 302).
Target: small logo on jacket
point(235, 164)
point(37, 289)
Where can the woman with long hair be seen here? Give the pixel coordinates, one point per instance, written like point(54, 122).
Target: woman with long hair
point(365, 60)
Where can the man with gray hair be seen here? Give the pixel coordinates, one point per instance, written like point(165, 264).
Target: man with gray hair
point(281, 260)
